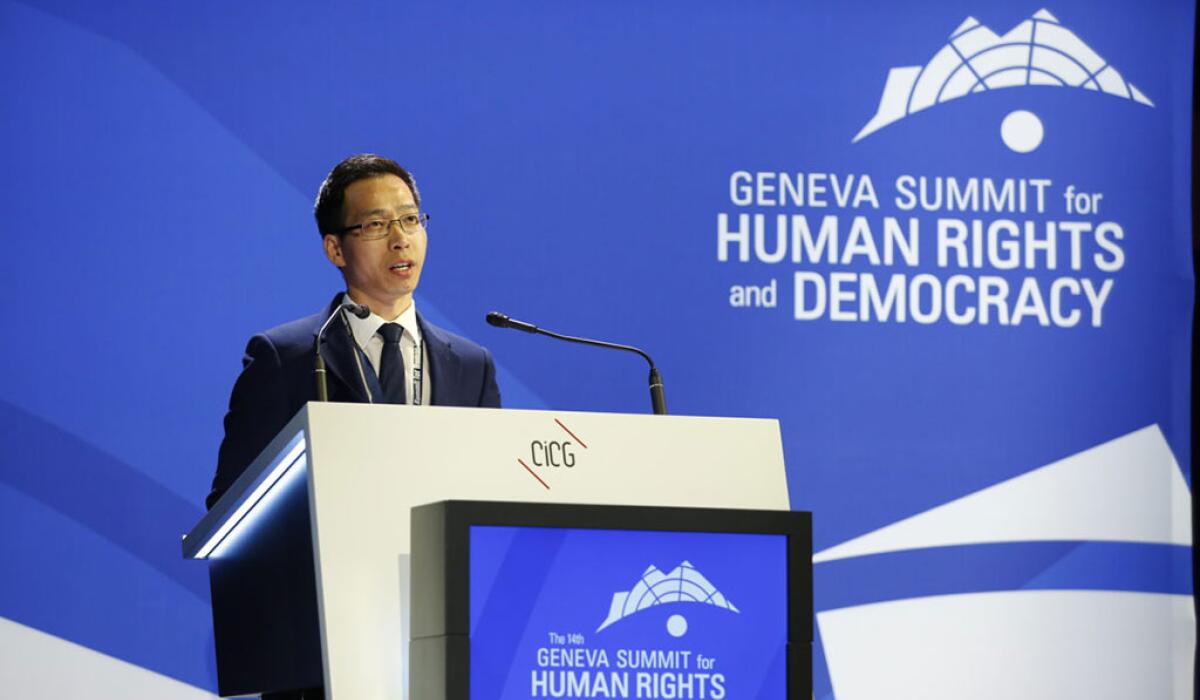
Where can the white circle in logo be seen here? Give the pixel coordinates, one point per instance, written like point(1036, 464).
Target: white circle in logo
point(1022, 131)
point(677, 625)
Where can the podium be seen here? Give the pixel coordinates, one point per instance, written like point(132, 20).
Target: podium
point(308, 550)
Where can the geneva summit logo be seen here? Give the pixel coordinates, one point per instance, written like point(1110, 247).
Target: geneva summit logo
point(1039, 51)
point(684, 584)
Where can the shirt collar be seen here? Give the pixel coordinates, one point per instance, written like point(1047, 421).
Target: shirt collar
point(364, 329)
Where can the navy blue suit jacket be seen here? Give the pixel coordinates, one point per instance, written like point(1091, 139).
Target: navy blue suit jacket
point(277, 380)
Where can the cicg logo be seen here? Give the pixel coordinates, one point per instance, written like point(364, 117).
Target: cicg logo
point(551, 453)
point(547, 456)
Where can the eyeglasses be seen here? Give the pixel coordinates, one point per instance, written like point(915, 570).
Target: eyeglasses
point(375, 229)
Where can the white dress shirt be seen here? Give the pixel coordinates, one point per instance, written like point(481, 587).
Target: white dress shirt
point(366, 336)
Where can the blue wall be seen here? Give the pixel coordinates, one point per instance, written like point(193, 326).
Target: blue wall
point(162, 159)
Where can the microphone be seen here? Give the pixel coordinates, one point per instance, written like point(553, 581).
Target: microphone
point(657, 401)
point(499, 320)
point(359, 310)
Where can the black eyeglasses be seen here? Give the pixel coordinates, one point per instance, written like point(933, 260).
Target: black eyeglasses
point(375, 229)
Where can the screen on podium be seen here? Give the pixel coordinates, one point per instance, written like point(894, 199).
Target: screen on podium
point(612, 613)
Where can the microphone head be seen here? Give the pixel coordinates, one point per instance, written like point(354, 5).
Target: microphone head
point(497, 319)
point(360, 310)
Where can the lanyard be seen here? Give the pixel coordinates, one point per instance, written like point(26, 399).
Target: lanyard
point(418, 374)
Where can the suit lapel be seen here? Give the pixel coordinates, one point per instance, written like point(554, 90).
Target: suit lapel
point(338, 351)
point(444, 364)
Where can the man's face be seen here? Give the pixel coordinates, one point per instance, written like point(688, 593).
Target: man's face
point(382, 273)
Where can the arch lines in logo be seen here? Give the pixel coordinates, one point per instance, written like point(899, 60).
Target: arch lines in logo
point(1039, 51)
point(683, 584)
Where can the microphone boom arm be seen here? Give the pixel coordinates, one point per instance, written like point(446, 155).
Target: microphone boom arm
point(319, 361)
point(657, 399)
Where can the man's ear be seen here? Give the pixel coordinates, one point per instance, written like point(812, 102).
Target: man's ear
point(333, 250)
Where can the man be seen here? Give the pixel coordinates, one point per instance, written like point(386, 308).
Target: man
point(368, 214)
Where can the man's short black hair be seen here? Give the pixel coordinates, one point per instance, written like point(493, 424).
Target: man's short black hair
point(332, 194)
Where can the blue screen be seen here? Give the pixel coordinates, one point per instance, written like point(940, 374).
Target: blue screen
point(562, 612)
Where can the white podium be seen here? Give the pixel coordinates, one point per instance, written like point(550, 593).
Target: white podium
point(308, 550)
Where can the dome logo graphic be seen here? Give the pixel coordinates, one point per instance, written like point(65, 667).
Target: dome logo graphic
point(1039, 51)
point(684, 584)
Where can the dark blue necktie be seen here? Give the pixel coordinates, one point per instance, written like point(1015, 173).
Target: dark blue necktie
point(391, 363)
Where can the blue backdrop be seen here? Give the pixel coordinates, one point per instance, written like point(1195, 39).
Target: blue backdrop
point(581, 161)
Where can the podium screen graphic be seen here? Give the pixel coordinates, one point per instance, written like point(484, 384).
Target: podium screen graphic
point(593, 613)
